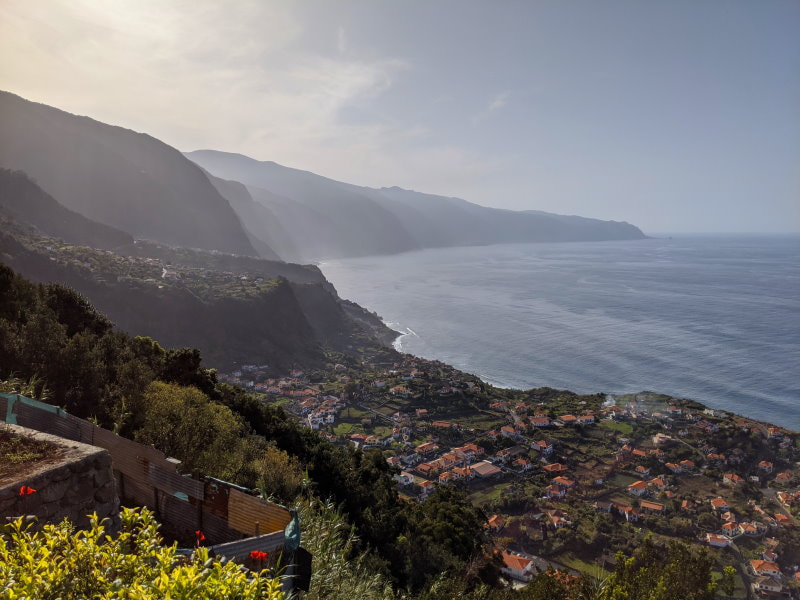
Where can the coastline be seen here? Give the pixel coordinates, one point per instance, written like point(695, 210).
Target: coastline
point(690, 316)
point(724, 412)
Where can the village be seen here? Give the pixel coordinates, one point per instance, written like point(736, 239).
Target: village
point(567, 480)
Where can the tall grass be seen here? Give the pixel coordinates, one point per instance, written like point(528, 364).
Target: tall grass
point(340, 573)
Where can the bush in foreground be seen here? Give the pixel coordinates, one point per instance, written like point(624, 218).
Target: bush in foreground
point(60, 562)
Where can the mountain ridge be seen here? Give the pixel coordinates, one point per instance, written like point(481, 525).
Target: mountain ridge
point(311, 207)
point(119, 177)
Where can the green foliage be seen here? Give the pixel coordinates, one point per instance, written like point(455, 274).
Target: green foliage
point(414, 541)
point(184, 423)
point(728, 581)
point(59, 562)
point(676, 573)
point(165, 398)
point(341, 571)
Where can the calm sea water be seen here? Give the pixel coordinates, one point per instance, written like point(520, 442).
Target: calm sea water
point(715, 319)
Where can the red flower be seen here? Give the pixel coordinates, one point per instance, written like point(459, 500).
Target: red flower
point(26, 491)
point(200, 536)
point(258, 555)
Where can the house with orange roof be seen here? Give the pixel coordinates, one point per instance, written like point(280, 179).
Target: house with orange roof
point(642, 470)
point(517, 566)
point(720, 504)
point(717, 541)
point(629, 512)
point(568, 419)
point(674, 468)
point(495, 523)
point(638, 454)
point(540, 421)
point(782, 520)
point(508, 431)
point(522, 464)
point(563, 482)
point(749, 529)
point(463, 472)
point(451, 458)
point(784, 477)
point(446, 477)
point(468, 451)
point(638, 488)
point(559, 519)
point(555, 468)
point(426, 488)
point(426, 447)
point(732, 479)
point(543, 446)
point(400, 390)
point(428, 468)
point(555, 491)
point(442, 424)
point(769, 555)
point(650, 506)
point(765, 567)
point(731, 529)
point(659, 483)
point(687, 465)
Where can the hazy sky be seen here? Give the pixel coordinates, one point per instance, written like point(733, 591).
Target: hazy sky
point(673, 115)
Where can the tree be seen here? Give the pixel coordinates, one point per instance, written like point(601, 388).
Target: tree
point(728, 582)
point(277, 474)
point(182, 422)
point(680, 573)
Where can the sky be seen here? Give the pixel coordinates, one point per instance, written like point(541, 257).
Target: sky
point(679, 116)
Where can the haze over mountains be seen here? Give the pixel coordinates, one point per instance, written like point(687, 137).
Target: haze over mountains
point(139, 185)
point(118, 177)
point(310, 217)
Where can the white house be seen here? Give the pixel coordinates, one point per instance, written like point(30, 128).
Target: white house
point(517, 567)
point(717, 541)
point(405, 478)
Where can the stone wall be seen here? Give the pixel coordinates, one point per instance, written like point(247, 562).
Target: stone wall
point(73, 485)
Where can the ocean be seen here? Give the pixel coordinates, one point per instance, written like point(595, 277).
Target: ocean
point(711, 318)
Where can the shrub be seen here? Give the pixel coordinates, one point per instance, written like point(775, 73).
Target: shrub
point(60, 562)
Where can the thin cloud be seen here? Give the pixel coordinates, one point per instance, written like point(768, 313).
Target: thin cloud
point(499, 101)
point(243, 79)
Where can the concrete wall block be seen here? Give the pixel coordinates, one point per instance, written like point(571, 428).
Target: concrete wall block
point(8, 492)
point(78, 484)
point(60, 474)
point(82, 488)
point(102, 462)
point(106, 493)
point(53, 490)
point(103, 477)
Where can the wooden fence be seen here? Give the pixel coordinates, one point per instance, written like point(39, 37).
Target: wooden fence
point(234, 522)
